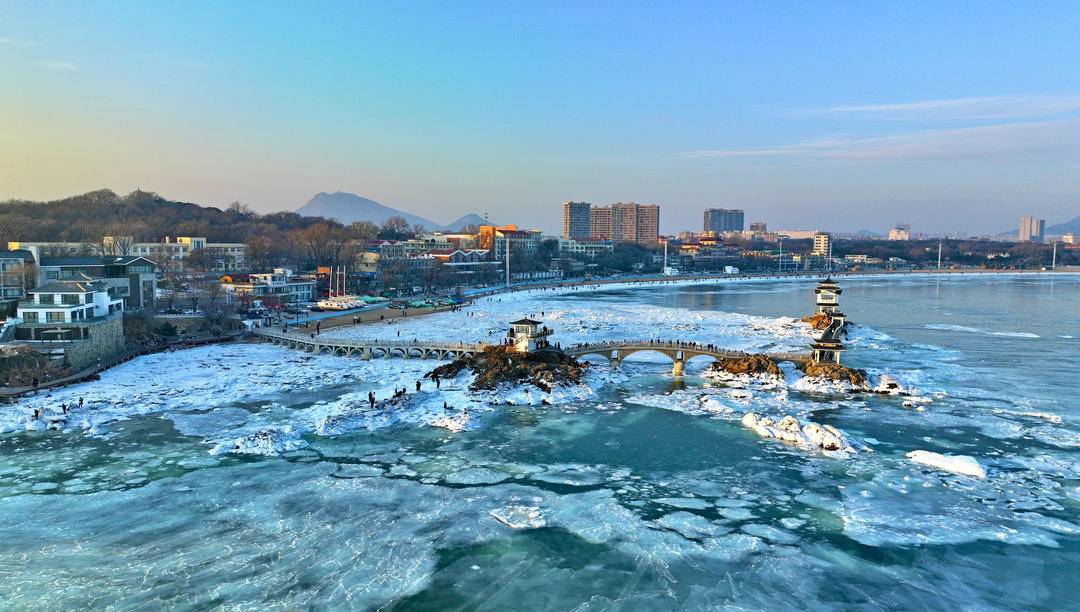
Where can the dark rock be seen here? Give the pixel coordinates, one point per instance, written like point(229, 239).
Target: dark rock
point(833, 371)
point(751, 364)
point(819, 321)
point(500, 364)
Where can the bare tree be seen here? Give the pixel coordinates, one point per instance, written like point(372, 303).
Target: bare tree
point(363, 230)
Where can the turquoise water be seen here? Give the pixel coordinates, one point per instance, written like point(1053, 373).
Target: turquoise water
point(646, 502)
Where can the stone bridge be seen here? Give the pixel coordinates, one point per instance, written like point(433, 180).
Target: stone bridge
point(614, 352)
point(371, 349)
point(678, 352)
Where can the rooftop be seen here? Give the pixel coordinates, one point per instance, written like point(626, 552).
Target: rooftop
point(71, 287)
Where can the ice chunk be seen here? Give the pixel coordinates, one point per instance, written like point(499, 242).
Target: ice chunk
point(958, 464)
point(265, 442)
point(519, 517)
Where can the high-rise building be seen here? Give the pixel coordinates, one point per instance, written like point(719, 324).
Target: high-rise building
point(900, 231)
point(758, 227)
point(625, 222)
point(723, 220)
point(822, 245)
point(600, 222)
point(575, 220)
point(1031, 229)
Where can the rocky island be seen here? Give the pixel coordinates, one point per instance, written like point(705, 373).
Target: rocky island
point(496, 366)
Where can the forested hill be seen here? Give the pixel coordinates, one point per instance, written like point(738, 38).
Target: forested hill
point(141, 214)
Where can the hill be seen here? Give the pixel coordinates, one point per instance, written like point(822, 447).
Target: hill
point(471, 219)
point(349, 207)
point(1069, 227)
point(142, 214)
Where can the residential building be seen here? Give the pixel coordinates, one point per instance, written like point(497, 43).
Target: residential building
point(69, 302)
point(900, 231)
point(1069, 238)
point(723, 220)
point(585, 247)
point(223, 256)
point(523, 244)
point(77, 323)
point(626, 222)
point(466, 262)
point(797, 234)
point(281, 284)
point(575, 220)
point(130, 277)
point(758, 227)
point(1031, 229)
point(17, 272)
point(822, 245)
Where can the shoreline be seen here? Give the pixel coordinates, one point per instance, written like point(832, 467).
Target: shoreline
point(379, 315)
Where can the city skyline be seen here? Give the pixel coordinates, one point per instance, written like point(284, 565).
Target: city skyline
point(440, 111)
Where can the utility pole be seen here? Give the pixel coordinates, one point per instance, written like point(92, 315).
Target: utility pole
point(1053, 262)
point(507, 258)
point(664, 271)
point(780, 258)
point(939, 254)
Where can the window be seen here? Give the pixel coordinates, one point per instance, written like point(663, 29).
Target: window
point(30, 317)
point(54, 317)
point(46, 298)
point(70, 298)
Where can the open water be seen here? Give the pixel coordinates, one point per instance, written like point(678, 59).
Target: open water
point(635, 499)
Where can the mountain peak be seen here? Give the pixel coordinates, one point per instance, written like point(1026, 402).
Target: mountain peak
point(348, 208)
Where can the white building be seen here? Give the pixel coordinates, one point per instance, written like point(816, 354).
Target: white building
point(69, 302)
point(900, 232)
point(797, 234)
point(223, 256)
point(1069, 238)
point(280, 284)
point(586, 247)
point(527, 335)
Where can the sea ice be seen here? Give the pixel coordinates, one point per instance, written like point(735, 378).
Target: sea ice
point(958, 464)
point(519, 517)
point(265, 442)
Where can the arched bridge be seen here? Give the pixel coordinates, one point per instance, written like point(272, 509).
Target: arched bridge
point(678, 352)
point(614, 352)
point(371, 349)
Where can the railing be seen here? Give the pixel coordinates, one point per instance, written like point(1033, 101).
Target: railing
point(317, 340)
point(691, 347)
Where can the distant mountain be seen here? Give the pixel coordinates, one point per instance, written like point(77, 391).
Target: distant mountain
point(1069, 227)
point(465, 221)
point(349, 207)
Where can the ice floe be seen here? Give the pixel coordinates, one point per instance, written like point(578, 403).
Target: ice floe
point(519, 517)
point(265, 442)
point(957, 464)
point(812, 435)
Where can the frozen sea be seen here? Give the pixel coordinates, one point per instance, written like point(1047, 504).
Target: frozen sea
point(251, 477)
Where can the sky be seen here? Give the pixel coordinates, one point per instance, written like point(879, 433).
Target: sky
point(950, 116)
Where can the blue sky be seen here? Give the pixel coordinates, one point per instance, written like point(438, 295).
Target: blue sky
point(950, 116)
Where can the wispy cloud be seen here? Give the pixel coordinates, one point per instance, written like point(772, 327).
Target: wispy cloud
point(6, 41)
point(59, 65)
point(993, 107)
point(982, 142)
